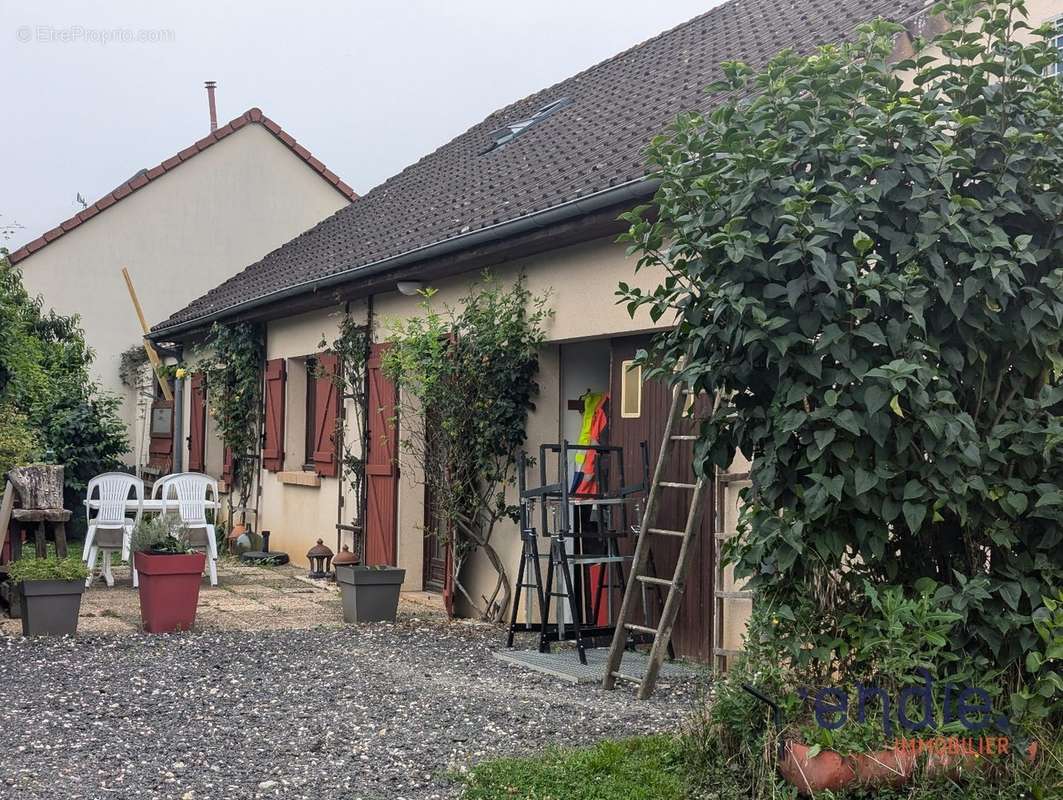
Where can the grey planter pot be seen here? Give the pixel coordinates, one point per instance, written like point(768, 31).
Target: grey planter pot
point(370, 594)
point(50, 608)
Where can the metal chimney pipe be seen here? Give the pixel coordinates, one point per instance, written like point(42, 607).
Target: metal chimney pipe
point(213, 108)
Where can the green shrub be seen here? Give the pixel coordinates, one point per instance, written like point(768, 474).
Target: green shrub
point(864, 259)
point(52, 568)
point(18, 441)
point(45, 379)
point(161, 533)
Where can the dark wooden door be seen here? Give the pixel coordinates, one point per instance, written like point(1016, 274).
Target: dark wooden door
point(197, 422)
point(381, 468)
point(692, 635)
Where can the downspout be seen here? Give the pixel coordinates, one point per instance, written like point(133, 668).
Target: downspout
point(178, 421)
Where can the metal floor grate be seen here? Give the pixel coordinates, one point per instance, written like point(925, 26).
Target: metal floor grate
point(564, 664)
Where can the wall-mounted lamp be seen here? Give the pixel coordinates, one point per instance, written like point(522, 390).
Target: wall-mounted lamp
point(409, 288)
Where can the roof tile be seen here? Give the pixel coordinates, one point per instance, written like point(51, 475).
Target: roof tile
point(595, 142)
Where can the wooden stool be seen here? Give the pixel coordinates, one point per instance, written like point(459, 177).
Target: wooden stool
point(39, 519)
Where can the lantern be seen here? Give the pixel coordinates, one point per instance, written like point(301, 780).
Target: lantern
point(320, 558)
point(345, 558)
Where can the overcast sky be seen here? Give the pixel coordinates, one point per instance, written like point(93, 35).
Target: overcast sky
point(368, 86)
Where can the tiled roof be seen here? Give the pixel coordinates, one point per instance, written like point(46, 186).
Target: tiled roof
point(595, 142)
point(146, 176)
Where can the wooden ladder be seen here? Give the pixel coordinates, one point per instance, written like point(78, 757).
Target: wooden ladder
point(662, 634)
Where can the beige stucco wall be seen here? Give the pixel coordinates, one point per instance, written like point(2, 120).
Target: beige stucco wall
point(180, 236)
point(298, 515)
point(927, 26)
point(581, 281)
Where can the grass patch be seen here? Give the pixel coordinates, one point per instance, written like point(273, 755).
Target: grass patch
point(645, 768)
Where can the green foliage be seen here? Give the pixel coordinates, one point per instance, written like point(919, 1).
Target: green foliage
point(352, 350)
point(729, 752)
point(161, 534)
point(232, 362)
point(865, 260)
point(18, 441)
point(86, 435)
point(28, 568)
point(468, 379)
point(646, 768)
point(45, 382)
point(131, 365)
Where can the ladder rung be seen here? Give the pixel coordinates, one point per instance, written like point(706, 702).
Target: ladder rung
point(734, 595)
point(733, 477)
point(678, 485)
point(684, 437)
point(631, 626)
point(655, 581)
point(582, 560)
point(723, 651)
point(625, 677)
point(666, 532)
point(723, 536)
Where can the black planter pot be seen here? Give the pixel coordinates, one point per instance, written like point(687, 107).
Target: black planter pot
point(50, 608)
point(370, 594)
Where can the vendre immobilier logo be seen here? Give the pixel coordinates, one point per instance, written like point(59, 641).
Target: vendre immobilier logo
point(914, 713)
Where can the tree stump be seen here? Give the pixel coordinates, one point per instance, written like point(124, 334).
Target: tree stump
point(39, 486)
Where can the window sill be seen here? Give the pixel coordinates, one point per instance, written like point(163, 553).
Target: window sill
point(299, 478)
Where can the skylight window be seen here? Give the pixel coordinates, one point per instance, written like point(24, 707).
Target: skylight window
point(506, 134)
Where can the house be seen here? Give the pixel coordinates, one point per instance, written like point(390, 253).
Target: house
point(179, 227)
point(534, 189)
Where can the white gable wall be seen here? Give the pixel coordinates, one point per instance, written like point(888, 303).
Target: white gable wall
point(180, 236)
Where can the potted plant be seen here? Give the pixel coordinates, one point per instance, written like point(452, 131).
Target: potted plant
point(169, 573)
point(50, 590)
point(370, 594)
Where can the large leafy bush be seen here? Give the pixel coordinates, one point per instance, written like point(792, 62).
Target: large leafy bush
point(50, 404)
point(865, 259)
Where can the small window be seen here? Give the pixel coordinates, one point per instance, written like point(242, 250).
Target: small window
point(311, 413)
point(630, 390)
point(161, 420)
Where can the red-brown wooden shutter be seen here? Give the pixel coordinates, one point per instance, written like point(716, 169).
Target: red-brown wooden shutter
point(326, 410)
point(381, 468)
point(273, 444)
point(197, 422)
point(227, 471)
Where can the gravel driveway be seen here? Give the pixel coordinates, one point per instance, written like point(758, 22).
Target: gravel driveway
point(381, 711)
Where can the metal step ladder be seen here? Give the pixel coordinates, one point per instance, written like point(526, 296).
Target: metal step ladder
point(662, 634)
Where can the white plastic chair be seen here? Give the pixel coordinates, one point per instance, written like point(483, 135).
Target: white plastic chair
point(112, 490)
point(156, 488)
point(188, 492)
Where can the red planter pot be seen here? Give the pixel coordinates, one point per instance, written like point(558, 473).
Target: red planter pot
point(169, 590)
point(830, 771)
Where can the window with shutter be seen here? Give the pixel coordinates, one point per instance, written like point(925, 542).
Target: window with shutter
point(326, 402)
point(273, 442)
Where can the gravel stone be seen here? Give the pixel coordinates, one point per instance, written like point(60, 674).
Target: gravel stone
point(360, 713)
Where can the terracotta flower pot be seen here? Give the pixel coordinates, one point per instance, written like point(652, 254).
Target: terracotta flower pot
point(818, 773)
point(169, 590)
point(832, 771)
